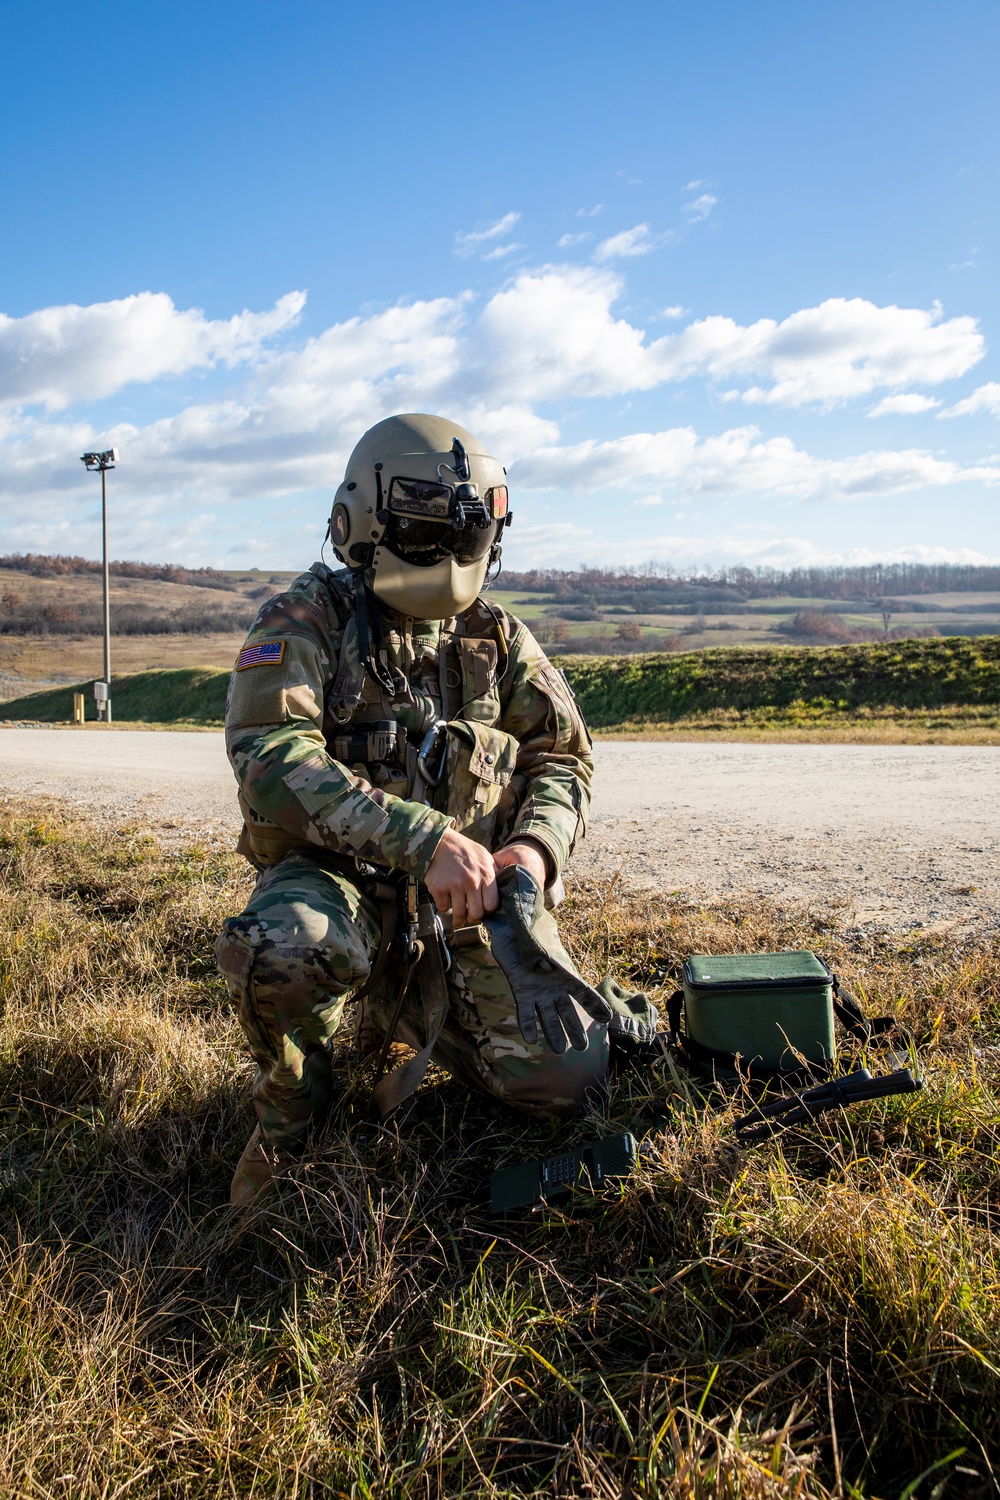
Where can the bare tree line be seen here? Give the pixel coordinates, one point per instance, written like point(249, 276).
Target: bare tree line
point(23, 616)
point(870, 581)
point(39, 565)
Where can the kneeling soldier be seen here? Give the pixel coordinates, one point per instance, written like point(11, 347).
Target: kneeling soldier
point(396, 736)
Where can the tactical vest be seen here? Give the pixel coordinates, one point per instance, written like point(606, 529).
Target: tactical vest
point(478, 789)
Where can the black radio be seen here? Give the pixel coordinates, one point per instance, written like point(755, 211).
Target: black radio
point(376, 743)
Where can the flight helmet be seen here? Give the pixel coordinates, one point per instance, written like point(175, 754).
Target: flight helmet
point(422, 506)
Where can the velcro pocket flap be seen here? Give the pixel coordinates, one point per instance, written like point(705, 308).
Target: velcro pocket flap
point(479, 664)
point(478, 661)
point(480, 764)
point(492, 752)
point(571, 735)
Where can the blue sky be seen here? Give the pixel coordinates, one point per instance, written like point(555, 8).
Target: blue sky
point(718, 282)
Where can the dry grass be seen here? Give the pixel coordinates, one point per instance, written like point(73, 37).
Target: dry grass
point(816, 1317)
point(72, 658)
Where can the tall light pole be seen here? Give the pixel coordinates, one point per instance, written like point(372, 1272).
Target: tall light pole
point(100, 463)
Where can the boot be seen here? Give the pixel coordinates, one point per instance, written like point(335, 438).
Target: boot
point(256, 1170)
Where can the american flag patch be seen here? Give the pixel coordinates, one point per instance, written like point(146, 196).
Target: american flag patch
point(262, 654)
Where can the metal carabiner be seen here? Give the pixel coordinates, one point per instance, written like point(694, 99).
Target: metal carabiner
point(433, 743)
point(445, 950)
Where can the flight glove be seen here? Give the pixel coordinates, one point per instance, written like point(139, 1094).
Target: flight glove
point(526, 944)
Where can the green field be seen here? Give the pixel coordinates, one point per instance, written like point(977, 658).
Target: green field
point(925, 689)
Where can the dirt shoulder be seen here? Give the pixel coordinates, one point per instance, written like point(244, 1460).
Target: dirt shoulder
point(889, 836)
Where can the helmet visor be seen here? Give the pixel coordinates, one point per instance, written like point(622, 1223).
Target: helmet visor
point(429, 521)
point(426, 499)
point(421, 498)
point(427, 542)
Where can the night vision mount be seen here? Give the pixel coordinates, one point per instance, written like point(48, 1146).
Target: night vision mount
point(467, 508)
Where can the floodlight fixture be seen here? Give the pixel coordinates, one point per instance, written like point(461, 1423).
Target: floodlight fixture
point(100, 463)
point(97, 463)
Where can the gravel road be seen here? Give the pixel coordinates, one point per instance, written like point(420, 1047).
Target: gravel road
point(892, 836)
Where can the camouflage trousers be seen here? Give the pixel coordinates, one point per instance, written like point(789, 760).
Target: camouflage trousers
point(307, 938)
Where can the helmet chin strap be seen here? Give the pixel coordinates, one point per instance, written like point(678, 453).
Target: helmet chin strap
point(377, 666)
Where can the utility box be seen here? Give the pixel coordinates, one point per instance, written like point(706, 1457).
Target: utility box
point(101, 692)
point(78, 708)
point(772, 1010)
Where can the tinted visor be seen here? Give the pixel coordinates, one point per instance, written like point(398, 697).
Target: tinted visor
point(427, 542)
point(424, 498)
point(423, 515)
point(420, 498)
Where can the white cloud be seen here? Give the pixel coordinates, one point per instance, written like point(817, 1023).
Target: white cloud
point(290, 431)
point(548, 547)
point(59, 355)
point(554, 329)
point(844, 348)
point(509, 430)
point(984, 398)
point(674, 312)
point(738, 462)
point(700, 208)
point(647, 501)
point(470, 241)
point(590, 213)
point(694, 185)
point(567, 240)
point(549, 335)
point(908, 404)
point(500, 252)
point(539, 542)
point(639, 240)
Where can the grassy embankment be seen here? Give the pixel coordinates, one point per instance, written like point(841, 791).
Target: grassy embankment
point(921, 691)
point(913, 690)
point(819, 1316)
point(180, 697)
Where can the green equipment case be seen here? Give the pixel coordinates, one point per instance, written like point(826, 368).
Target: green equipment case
point(774, 1012)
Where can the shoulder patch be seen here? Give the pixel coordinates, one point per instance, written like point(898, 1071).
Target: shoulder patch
point(261, 654)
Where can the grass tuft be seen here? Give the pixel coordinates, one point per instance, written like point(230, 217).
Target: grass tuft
point(816, 1317)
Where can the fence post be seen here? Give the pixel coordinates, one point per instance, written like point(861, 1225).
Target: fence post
point(78, 701)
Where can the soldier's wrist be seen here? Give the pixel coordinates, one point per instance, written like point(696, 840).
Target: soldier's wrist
point(436, 825)
point(536, 844)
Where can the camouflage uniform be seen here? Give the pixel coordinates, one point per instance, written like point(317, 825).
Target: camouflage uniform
point(325, 759)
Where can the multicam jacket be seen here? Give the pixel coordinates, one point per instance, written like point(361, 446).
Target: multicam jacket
point(325, 757)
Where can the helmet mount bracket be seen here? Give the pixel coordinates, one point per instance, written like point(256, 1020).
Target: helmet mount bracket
point(461, 468)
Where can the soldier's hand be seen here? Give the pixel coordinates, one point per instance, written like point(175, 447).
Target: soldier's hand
point(462, 879)
point(528, 855)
